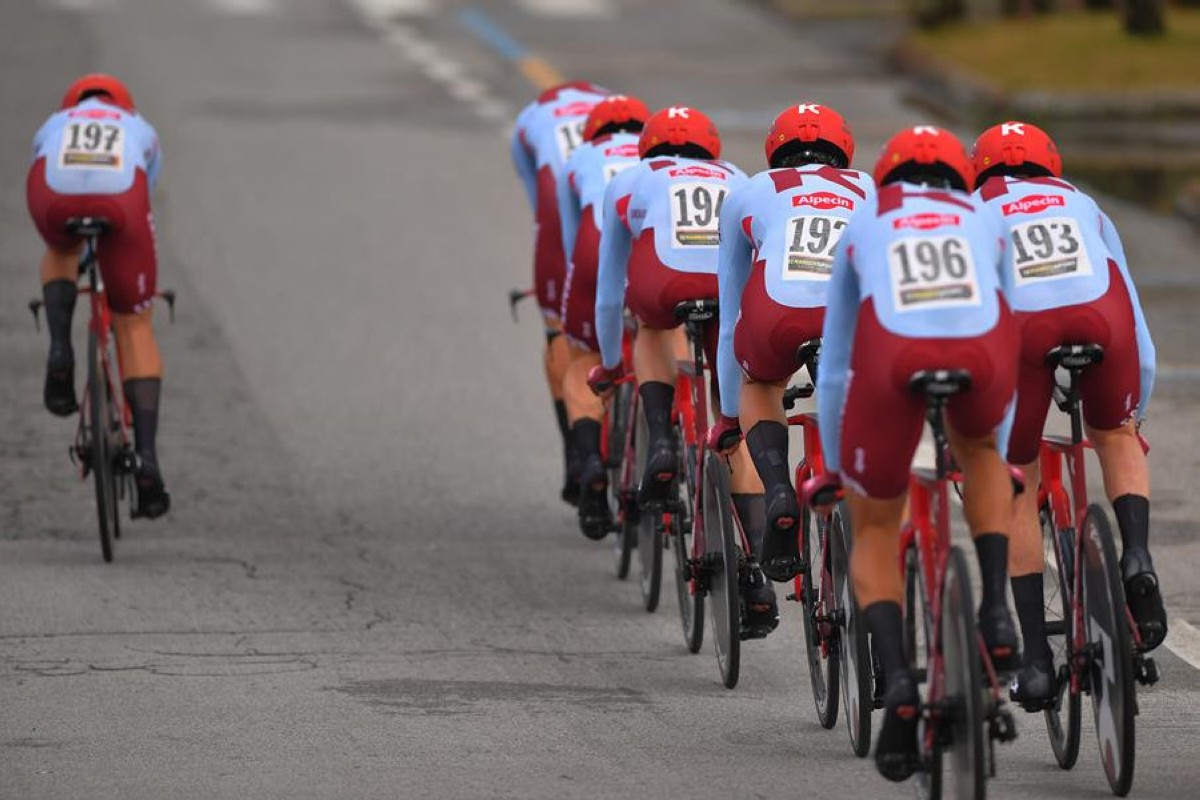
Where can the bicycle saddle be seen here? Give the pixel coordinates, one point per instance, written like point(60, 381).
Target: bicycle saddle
point(87, 226)
point(1074, 356)
point(939, 382)
point(696, 310)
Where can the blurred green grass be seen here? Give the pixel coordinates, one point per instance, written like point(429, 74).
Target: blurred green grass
point(1086, 52)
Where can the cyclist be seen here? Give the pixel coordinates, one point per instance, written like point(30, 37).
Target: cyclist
point(778, 234)
point(660, 231)
point(546, 132)
point(98, 157)
point(610, 145)
point(916, 286)
point(1070, 284)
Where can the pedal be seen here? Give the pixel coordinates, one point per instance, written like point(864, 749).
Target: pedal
point(1145, 670)
point(1001, 726)
point(791, 597)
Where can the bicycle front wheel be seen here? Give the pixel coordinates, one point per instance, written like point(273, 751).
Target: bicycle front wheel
point(857, 697)
point(1063, 720)
point(963, 671)
point(620, 493)
point(722, 567)
point(1110, 651)
point(101, 416)
point(687, 593)
point(820, 631)
point(649, 533)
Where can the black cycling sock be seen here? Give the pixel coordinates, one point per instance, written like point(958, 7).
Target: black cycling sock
point(992, 550)
point(768, 443)
point(752, 511)
point(142, 396)
point(885, 621)
point(1133, 520)
point(585, 437)
point(657, 398)
point(58, 297)
point(1031, 612)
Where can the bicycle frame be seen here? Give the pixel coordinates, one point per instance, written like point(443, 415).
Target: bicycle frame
point(812, 464)
point(691, 413)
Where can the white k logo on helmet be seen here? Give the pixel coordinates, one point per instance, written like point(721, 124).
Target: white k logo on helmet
point(926, 130)
point(678, 111)
point(809, 108)
point(1011, 128)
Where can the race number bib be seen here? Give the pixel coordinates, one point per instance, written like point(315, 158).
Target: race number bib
point(569, 135)
point(810, 244)
point(1048, 249)
point(613, 170)
point(91, 145)
point(696, 207)
point(932, 272)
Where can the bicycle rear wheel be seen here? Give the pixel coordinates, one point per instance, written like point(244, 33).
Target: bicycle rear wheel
point(918, 636)
point(963, 674)
point(687, 593)
point(1063, 721)
point(855, 651)
point(1110, 665)
point(820, 631)
point(721, 561)
point(620, 494)
point(101, 416)
point(649, 535)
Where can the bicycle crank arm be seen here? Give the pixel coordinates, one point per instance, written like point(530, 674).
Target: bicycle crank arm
point(168, 296)
point(35, 307)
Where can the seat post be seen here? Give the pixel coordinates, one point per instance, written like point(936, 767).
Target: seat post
point(1073, 406)
point(935, 408)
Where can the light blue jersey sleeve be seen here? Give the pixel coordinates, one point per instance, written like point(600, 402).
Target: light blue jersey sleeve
point(734, 262)
point(152, 152)
point(568, 203)
point(616, 242)
point(523, 157)
point(841, 319)
point(1147, 357)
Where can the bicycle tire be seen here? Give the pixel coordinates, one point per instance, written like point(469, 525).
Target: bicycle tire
point(100, 422)
point(857, 671)
point(1110, 667)
point(649, 538)
point(622, 509)
point(1063, 724)
point(721, 561)
point(688, 595)
point(959, 641)
point(820, 638)
point(918, 626)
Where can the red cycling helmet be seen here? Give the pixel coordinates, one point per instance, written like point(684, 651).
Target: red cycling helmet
point(1015, 147)
point(98, 83)
point(811, 124)
point(680, 126)
point(578, 86)
point(616, 109)
point(925, 150)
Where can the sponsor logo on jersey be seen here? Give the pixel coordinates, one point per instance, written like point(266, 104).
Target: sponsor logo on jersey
point(823, 201)
point(622, 151)
point(697, 171)
point(580, 108)
point(1032, 204)
point(93, 113)
point(926, 222)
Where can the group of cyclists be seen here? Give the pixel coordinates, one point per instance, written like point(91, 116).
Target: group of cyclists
point(940, 259)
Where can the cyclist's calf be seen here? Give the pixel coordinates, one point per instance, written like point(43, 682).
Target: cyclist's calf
point(1122, 460)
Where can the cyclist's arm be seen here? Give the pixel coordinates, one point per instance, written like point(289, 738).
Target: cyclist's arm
point(568, 208)
point(841, 317)
point(523, 160)
point(1147, 357)
point(733, 270)
point(615, 245)
point(153, 154)
point(39, 138)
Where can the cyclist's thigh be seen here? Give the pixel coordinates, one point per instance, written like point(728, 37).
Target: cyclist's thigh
point(1111, 390)
point(50, 210)
point(655, 289)
point(127, 254)
point(768, 334)
point(992, 359)
point(882, 420)
point(579, 293)
point(549, 263)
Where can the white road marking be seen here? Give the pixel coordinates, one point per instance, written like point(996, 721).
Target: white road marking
point(380, 13)
point(246, 8)
point(1182, 638)
point(567, 8)
point(82, 5)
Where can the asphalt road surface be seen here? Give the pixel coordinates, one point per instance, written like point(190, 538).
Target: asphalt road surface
point(368, 587)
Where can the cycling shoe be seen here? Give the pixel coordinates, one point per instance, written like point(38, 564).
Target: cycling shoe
point(661, 467)
point(153, 499)
point(1035, 686)
point(1000, 637)
point(760, 611)
point(781, 546)
point(59, 392)
point(896, 755)
point(595, 517)
point(1143, 596)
